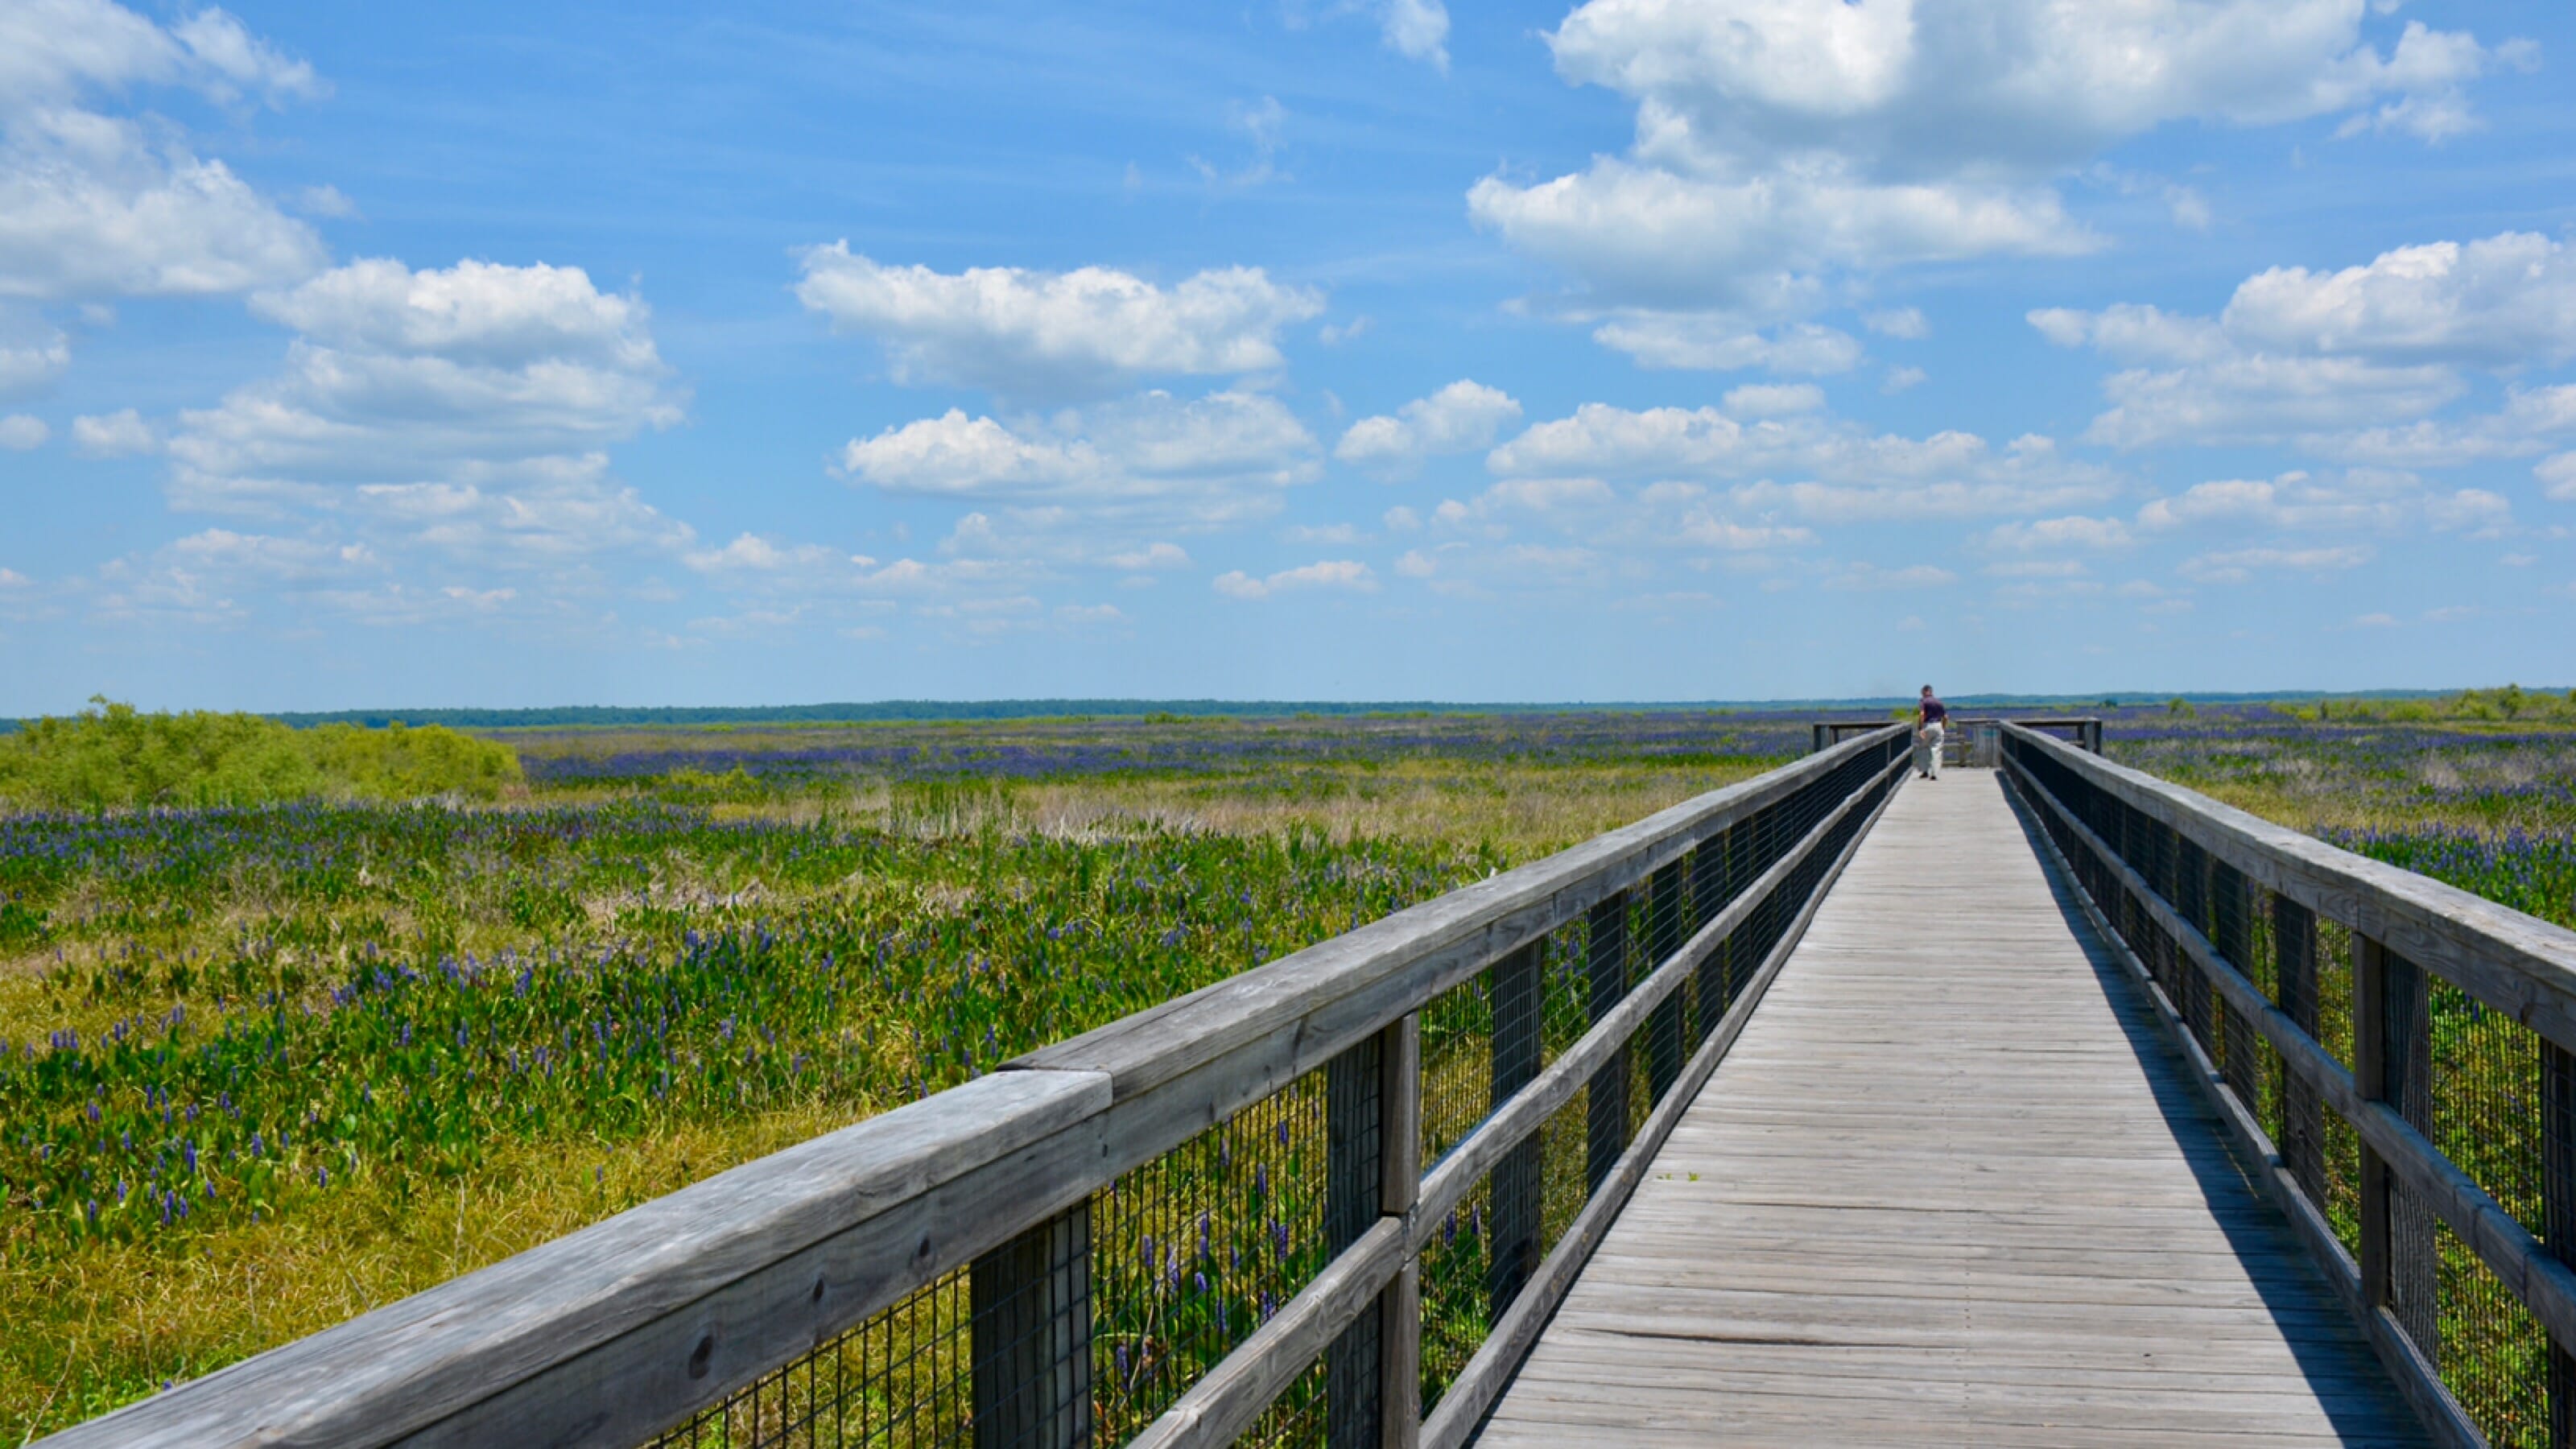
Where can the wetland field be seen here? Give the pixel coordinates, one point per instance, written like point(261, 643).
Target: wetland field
point(266, 1065)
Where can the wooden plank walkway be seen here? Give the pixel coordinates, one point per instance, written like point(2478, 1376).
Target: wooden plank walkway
point(1950, 1187)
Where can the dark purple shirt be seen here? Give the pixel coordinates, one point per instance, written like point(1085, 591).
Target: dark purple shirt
point(1935, 712)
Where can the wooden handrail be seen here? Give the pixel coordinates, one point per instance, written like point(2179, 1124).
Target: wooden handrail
point(2399, 921)
point(2520, 965)
point(612, 1333)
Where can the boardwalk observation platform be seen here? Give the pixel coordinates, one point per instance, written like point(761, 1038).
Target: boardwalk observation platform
point(2046, 1104)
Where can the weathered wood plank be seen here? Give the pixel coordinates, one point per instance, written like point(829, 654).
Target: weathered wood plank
point(2280, 1175)
point(2394, 1145)
point(1949, 1188)
point(1507, 1344)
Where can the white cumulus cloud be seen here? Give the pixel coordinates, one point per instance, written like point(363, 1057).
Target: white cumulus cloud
point(2382, 500)
point(1460, 418)
point(2074, 531)
point(2240, 565)
point(1833, 470)
point(1774, 400)
point(1341, 574)
point(52, 51)
point(2349, 363)
point(1646, 235)
point(476, 375)
point(119, 434)
point(32, 353)
point(1416, 30)
point(1083, 333)
point(2558, 476)
point(1780, 143)
point(100, 205)
point(2501, 301)
point(465, 412)
point(1155, 458)
point(19, 432)
point(1728, 342)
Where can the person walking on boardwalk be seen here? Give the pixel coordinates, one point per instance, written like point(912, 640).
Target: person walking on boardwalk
point(1930, 717)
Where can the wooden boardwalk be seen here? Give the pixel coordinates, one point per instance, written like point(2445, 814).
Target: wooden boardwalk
point(1950, 1187)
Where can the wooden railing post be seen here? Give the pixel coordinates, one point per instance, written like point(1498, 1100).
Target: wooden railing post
point(1031, 1305)
point(1606, 1099)
point(1373, 1169)
point(2392, 1048)
point(1519, 1003)
point(2190, 900)
point(1664, 934)
point(1354, 1187)
point(2231, 918)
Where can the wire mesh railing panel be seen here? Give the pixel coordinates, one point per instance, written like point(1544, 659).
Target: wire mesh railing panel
point(1565, 991)
point(1194, 1250)
point(2489, 1119)
point(900, 1380)
point(2495, 1354)
point(1459, 1272)
point(1091, 1325)
point(1484, 1253)
point(2495, 1100)
point(2487, 1111)
point(1458, 1051)
point(2342, 1204)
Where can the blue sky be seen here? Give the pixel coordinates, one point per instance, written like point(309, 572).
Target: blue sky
point(510, 354)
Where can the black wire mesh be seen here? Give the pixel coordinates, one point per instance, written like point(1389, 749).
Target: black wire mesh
point(2493, 1097)
point(1089, 1326)
point(2488, 1118)
point(1197, 1248)
point(1486, 1249)
point(1485, 1039)
point(903, 1377)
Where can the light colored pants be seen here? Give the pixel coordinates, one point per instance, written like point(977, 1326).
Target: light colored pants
point(1927, 750)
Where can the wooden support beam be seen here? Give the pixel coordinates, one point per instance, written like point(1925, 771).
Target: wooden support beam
point(1665, 932)
point(2303, 1123)
point(1031, 1331)
point(1355, 1123)
point(1514, 1244)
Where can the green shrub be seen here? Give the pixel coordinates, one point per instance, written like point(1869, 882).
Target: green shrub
point(113, 755)
point(397, 763)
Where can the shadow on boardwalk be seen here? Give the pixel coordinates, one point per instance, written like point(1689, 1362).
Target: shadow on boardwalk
point(2225, 1179)
point(1951, 1186)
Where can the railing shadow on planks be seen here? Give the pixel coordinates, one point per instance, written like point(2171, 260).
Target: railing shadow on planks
point(1331, 1200)
point(2393, 1055)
